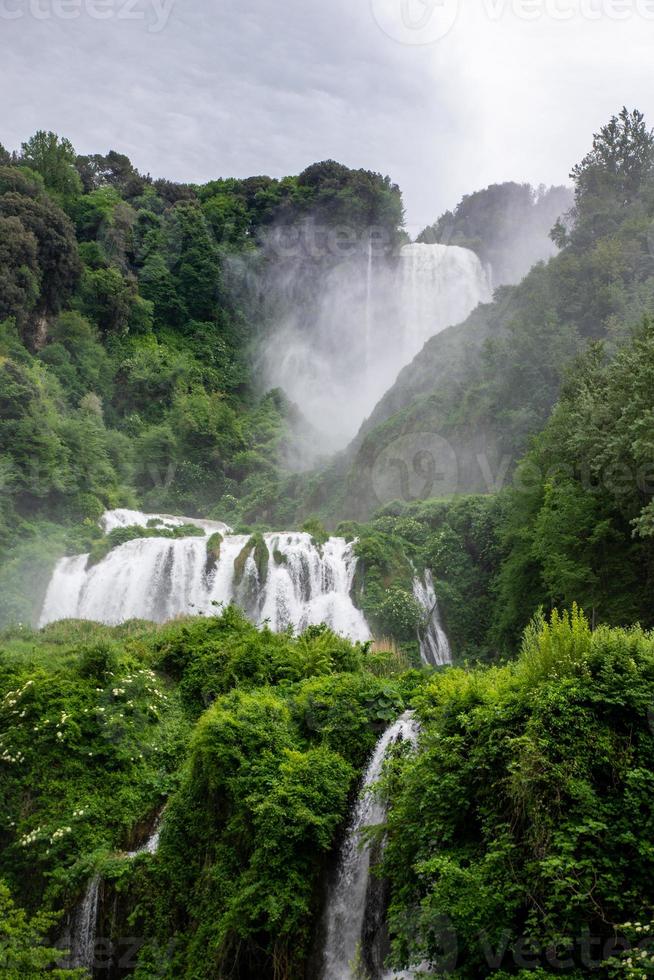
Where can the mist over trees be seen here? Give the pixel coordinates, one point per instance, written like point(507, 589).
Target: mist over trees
point(507, 225)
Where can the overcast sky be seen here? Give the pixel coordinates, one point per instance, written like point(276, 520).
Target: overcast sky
point(445, 97)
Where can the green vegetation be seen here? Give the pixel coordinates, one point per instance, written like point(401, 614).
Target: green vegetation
point(519, 837)
point(520, 828)
point(121, 535)
point(255, 740)
point(24, 955)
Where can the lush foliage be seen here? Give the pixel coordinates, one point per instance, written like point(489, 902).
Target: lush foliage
point(519, 836)
point(522, 827)
point(255, 741)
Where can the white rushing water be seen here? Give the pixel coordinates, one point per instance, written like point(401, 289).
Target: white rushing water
point(372, 316)
point(346, 902)
point(85, 918)
point(82, 947)
point(439, 285)
point(160, 578)
point(151, 845)
point(434, 645)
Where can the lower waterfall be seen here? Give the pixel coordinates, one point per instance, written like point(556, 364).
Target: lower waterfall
point(293, 582)
point(298, 583)
point(347, 898)
point(84, 922)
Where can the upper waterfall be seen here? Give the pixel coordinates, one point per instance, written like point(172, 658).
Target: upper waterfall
point(439, 285)
point(339, 347)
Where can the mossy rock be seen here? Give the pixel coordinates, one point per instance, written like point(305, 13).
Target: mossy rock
point(214, 544)
point(257, 547)
point(279, 558)
point(315, 527)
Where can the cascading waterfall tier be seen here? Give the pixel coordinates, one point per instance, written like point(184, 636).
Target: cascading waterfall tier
point(369, 317)
point(149, 846)
point(299, 584)
point(435, 649)
point(347, 898)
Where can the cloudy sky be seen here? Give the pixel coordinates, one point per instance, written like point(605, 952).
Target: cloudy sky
point(446, 96)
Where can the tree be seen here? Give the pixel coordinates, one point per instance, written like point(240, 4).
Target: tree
point(610, 179)
point(20, 274)
point(54, 159)
point(192, 257)
point(113, 170)
point(21, 180)
point(621, 159)
point(108, 298)
point(57, 248)
point(23, 953)
point(77, 357)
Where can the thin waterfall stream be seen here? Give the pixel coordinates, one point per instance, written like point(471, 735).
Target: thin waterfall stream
point(347, 898)
point(84, 922)
point(83, 929)
point(435, 649)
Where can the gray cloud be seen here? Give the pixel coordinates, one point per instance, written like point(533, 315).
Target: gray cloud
point(238, 88)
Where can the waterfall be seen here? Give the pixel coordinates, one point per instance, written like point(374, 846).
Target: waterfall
point(82, 945)
point(151, 845)
point(347, 898)
point(435, 648)
point(341, 338)
point(439, 286)
point(300, 584)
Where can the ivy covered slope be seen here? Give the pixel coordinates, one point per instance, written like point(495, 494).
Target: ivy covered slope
point(252, 741)
point(519, 838)
point(487, 386)
point(126, 342)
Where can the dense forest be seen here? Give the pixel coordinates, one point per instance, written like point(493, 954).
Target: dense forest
point(516, 837)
